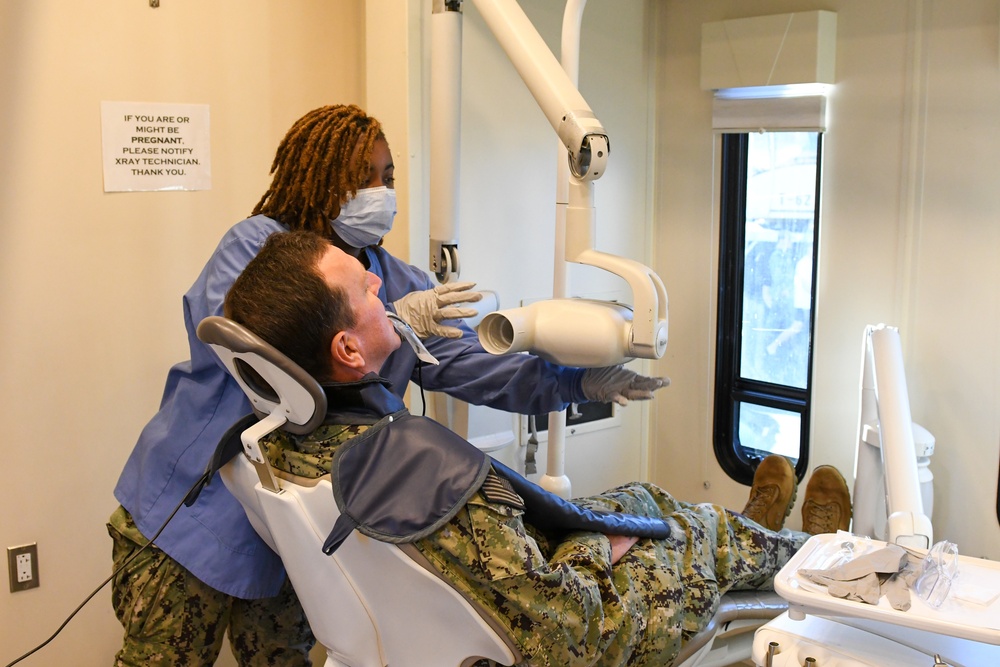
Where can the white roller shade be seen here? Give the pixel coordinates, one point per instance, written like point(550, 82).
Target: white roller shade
point(771, 114)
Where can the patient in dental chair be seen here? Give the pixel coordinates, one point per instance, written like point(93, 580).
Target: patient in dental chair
point(572, 583)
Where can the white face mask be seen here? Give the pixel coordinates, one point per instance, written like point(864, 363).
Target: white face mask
point(367, 217)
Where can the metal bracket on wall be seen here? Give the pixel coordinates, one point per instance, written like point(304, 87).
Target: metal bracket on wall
point(154, 3)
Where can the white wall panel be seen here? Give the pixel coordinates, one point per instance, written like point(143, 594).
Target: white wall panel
point(908, 226)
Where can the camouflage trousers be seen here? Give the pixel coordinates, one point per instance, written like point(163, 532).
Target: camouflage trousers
point(565, 605)
point(172, 618)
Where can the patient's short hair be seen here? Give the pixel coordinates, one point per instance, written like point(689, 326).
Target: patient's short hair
point(282, 297)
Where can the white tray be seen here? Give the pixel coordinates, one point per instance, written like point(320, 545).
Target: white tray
point(972, 611)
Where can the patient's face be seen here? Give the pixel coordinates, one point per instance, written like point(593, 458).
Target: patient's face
point(373, 331)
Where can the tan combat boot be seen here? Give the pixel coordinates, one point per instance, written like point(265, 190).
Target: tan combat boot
point(773, 492)
point(826, 507)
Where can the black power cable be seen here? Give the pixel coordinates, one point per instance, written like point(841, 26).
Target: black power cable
point(201, 482)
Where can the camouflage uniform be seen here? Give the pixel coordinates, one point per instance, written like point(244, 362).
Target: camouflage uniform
point(558, 595)
point(171, 618)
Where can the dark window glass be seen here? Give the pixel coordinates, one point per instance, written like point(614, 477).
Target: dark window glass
point(767, 260)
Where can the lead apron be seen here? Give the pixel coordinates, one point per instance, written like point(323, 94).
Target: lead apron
point(406, 476)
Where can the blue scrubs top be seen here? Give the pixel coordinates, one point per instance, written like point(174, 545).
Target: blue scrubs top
point(213, 538)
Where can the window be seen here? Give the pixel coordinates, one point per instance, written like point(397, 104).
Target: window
point(767, 266)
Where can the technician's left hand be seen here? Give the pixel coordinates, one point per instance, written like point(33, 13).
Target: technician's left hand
point(425, 310)
point(619, 384)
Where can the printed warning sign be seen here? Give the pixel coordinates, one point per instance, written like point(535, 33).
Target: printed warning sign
point(150, 147)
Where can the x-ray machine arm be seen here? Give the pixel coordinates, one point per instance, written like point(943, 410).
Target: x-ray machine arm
point(643, 331)
point(583, 136)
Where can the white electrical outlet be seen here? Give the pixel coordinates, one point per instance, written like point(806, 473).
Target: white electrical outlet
point(23, 568)
point(22, 565)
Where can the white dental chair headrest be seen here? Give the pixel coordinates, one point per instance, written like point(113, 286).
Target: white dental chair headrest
point(274, 383)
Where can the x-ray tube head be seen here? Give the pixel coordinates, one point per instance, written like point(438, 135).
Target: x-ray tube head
point(569, 332)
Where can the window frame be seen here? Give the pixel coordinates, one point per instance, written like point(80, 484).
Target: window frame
point(731, 389)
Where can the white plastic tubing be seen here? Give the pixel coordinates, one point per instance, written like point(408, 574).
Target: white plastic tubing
point(908, 526)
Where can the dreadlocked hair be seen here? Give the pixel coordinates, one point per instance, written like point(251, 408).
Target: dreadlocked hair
point(315, 168)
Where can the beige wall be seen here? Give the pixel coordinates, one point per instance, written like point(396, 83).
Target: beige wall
point(908, 237)
point(90, 283)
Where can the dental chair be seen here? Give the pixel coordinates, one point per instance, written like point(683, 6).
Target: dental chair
point(370, 603)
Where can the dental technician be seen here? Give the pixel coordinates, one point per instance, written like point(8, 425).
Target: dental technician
point(209, 572)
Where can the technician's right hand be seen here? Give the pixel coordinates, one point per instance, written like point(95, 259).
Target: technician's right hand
point(425, 310)
point(620, 385)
